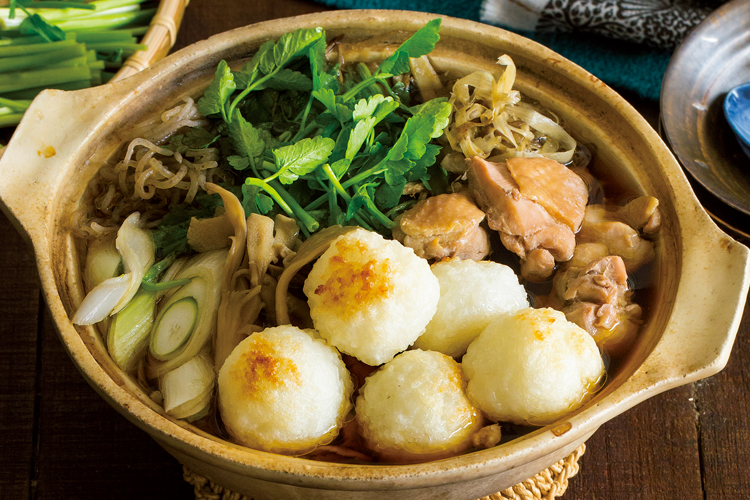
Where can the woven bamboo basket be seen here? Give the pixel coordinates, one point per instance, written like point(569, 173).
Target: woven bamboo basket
point(160, 38)
point(549, 484)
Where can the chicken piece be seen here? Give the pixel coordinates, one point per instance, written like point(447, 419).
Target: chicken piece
point(600, 226)
point(554, 186)
point(642, 214)
point(538, 265)
point(598, 300)
point(446, 225)
point(534, 204)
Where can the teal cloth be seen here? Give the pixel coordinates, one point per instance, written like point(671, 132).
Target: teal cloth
point(625, 66)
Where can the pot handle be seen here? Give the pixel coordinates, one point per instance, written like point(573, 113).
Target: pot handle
point(37, 158)
point(706, 315)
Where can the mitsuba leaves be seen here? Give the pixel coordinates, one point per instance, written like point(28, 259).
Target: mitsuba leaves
point(287, 79)
point(302, 157)
point(217, 94)
point(334, 105)
point(420, 43)
point(320, 77)
point(195, 138)
point(246, 138)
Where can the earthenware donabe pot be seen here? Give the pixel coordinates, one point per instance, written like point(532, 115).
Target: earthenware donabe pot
point(700, 277)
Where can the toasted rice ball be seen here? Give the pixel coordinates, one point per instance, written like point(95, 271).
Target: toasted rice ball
point(531, 367)
point(371, 297)
point(471, 295)
point(414, 408)
point(282, 391)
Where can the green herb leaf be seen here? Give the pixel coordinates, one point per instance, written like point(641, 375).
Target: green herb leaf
point(36, 25)
point(388, 196)
point(334, 105)
point(194, 138)
point(302, 157)
point(440, 109)
point(367, 114)
point(239, 162)
point(320, 77)
point(420, 43)
point(217, 94)
point(246, 138)
point(249, 72)
point(287, 79)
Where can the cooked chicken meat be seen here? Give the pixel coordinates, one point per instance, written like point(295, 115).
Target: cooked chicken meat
point(535, 204)
point(446, 225)
point(601, 226)
point(598, 299)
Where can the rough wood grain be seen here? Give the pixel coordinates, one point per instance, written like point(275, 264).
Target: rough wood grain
point(723, 408)
point(649, 452)
point(19, 308)
point(86, 449)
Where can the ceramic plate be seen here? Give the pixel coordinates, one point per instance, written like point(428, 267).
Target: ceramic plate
point(712, 60)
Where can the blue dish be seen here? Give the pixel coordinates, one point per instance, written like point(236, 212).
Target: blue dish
point(737, 112)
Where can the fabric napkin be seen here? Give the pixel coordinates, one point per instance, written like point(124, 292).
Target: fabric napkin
point(626, 43)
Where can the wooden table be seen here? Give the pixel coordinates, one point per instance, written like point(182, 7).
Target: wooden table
point(59, 439)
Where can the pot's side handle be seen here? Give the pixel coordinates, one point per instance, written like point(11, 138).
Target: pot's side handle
point(37, 158)
point(708, 308)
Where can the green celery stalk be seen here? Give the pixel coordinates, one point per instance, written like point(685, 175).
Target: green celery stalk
point(10, 119)
point(89, 37)
point(113, 21)
point(112, 46)
point(20, 63)
point(32, 92)
point(15, 105)
point(36, 48)
point(20, 80)
point(70, 63)
point(39, 4)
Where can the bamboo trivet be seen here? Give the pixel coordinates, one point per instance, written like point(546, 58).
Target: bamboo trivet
point(547, 485)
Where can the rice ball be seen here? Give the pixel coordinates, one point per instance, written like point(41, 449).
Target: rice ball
point(414, 408)
point(531, 367)
point(371, 297)
point(282, 391)
point(471, 295)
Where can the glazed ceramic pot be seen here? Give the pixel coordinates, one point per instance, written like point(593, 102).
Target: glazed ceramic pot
point(699, 279)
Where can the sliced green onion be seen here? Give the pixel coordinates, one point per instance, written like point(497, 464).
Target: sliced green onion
point(20, 63)
point(174, 328)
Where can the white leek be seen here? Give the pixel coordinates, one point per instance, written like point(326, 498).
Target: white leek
point(188, 389)
point(137, 250)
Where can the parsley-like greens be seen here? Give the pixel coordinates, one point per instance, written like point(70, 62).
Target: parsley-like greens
point(321, 143)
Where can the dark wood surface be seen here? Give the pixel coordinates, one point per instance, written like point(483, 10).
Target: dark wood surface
point(60, 440)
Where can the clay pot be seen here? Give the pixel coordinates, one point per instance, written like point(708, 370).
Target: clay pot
point(700, 278)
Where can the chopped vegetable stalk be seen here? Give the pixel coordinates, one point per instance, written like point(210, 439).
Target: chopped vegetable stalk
point(130, 329)
point(206, 271)
point(174, 328)
point(188, 389)
point(102, 261)
point(137, 250)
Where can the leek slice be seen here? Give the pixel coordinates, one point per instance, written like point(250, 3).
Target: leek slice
point(109, 297)
point(188, 389)
point(174, 328)
point(206, 271)
point(130, 329)
point(102, 261)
